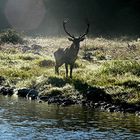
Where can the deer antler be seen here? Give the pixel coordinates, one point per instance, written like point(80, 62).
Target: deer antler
point(87, 30)
point(64, 26)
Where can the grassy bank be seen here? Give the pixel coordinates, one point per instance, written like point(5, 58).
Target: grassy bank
point(113, 65)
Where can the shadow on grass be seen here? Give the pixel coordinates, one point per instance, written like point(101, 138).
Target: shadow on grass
point(80, 86)
point(91, 93)
point(57, 82)
point(60, 82)
point(131, 84)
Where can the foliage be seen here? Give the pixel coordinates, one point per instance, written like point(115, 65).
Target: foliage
point(121, 67)
point(118, 77)
point(46, 63)
point(11, 36)
point(27, 57)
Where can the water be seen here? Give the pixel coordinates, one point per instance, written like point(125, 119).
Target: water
point(28, 120)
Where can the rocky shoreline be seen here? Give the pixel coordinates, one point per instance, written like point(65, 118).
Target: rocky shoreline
point(93, 98)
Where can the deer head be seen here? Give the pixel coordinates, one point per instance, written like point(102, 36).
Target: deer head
point(75, 40)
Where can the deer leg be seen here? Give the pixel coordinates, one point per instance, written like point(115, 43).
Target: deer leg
point(56, 70)
point(66, 66)
point(71, 68)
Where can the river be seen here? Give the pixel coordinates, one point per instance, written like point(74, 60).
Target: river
point(21, 119)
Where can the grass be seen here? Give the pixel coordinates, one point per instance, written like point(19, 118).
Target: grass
point(114, 67)
point(121, 67)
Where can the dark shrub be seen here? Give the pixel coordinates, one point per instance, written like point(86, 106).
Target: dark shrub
point(46, 63)
point(11, 36)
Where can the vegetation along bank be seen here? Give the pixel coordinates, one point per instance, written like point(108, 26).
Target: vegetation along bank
point(106, 74)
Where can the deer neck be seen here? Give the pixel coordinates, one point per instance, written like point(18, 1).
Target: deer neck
point(75, 47)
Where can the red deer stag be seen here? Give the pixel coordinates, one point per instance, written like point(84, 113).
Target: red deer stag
point(68, 55)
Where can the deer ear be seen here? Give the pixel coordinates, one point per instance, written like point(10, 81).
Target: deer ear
point(82, 38)
point(70, 39)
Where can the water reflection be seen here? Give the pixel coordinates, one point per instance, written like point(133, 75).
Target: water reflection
point(22, 119)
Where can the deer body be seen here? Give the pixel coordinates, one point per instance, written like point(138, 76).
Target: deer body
point(63, 56)
point(68, 55)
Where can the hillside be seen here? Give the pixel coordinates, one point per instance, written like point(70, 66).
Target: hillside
point(111, 64)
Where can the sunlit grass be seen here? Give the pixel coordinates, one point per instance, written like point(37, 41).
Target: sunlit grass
point(117, 75)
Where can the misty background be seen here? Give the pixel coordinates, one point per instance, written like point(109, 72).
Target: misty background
point(45, 17)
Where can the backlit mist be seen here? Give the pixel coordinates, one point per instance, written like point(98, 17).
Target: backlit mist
point(45, 17)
